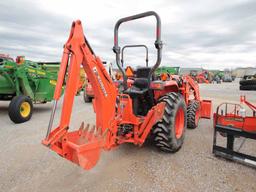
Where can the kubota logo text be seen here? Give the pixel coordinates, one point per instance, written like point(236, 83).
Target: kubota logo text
point(100, 81)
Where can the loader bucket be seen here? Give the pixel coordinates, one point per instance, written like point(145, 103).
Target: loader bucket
point(206, 109)
point(81, 147)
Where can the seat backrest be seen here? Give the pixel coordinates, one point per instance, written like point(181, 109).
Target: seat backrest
point(141, 83)
point(142, 72)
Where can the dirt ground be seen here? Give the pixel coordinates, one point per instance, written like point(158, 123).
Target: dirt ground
point(26, 165)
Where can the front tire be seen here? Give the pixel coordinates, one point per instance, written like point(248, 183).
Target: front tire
point(193, 114)
point(169, 133)
point(20, 109)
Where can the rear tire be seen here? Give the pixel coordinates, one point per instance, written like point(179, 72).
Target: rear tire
point(169, 132)
point(20, 109)
point(87, 99)
point(193, 114)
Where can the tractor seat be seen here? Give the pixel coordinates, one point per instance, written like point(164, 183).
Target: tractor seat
point(142, 72)
point(141, 80)
point(140, 84)
point(135, 92)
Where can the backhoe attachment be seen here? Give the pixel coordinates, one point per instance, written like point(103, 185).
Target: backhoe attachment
point(82, 146)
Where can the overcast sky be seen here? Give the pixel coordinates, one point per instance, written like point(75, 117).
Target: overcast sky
point(202, 33)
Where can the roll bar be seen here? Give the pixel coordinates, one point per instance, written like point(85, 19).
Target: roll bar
point(130, 46)
point(158, 42)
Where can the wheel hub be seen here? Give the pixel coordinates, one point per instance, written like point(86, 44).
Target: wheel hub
point(25, 109)
point(179, 123)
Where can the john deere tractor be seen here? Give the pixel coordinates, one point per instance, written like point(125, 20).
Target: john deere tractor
point(23, 83)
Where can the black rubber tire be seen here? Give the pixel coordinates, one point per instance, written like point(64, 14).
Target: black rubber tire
point(192, 108)
point(163, 133)
point(248, 82)
point(14, 109)
point(247, 87)
point(87, 99)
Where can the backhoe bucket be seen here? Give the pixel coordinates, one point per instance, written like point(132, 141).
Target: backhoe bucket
point(81, 147)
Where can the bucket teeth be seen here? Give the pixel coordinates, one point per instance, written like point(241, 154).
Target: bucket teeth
point(87, 131)
point(99, 131)
point(95, 131)
point(81, 128)
point(91, 133)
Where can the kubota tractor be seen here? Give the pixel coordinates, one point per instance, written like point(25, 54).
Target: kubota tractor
point(201, 77)
point(161, 108)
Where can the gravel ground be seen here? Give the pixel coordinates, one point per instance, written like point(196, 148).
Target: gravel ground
point(26, 165)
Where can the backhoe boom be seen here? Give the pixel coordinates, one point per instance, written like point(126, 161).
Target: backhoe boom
point(77, 52)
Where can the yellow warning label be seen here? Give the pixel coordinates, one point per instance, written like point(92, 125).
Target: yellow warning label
point(129, 71)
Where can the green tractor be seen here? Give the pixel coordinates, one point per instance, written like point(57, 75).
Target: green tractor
point(168, 70)
point(220, 74)
point(25, 82)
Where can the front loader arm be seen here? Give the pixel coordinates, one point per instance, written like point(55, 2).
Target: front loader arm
point(205, 105)
point(77, 52)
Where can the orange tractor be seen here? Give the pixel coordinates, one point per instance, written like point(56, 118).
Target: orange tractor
point(161, 108)
point(201, 77)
